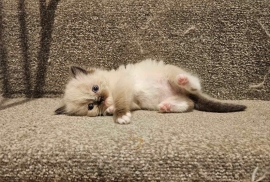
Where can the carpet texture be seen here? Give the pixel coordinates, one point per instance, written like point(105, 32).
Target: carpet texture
point(37, 145)
point(225, 42)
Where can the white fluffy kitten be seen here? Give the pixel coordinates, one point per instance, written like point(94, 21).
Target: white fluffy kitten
point(147, 85)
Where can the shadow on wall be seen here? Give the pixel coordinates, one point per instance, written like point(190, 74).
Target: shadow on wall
point(24, 46)
point(3, 57)
point(47, 15)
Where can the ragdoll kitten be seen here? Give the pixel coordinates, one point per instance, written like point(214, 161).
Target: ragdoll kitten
point(147, 85)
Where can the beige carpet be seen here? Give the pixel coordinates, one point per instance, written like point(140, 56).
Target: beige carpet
point(37, 145)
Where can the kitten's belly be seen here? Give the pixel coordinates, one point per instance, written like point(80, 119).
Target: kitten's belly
point(149, 92)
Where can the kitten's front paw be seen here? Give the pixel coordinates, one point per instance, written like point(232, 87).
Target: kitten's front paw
point(125, 119)
point(110, 110)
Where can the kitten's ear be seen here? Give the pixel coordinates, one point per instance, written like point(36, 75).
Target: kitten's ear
point(76, 71)
point(60, 110)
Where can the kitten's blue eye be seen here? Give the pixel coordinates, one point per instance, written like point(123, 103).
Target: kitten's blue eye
point(90, 106)
point(95, 88)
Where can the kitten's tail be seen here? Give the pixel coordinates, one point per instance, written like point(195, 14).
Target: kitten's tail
point(205, 103)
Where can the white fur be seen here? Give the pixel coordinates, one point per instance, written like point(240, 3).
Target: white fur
point(125, 119)
point(173, 104)
point(181, 107)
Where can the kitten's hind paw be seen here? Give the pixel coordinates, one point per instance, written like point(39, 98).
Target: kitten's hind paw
point(164, 107)
point(182, 80)
point(189, 82)
point(125, 119)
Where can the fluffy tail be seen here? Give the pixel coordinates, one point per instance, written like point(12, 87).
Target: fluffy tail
point(204, 103)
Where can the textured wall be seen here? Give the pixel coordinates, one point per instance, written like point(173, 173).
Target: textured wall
point(225, 42)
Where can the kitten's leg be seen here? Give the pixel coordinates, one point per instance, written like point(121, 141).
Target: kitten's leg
point(122, 97)
point(122, 113)
point(176, 104)
point(110, 107)
point(188, 82)
point(179, 78)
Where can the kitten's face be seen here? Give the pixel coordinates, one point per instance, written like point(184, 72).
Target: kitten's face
point(86, 94)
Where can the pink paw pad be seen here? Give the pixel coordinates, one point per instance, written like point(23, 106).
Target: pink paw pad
point(165, 107)
point(182, 80)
